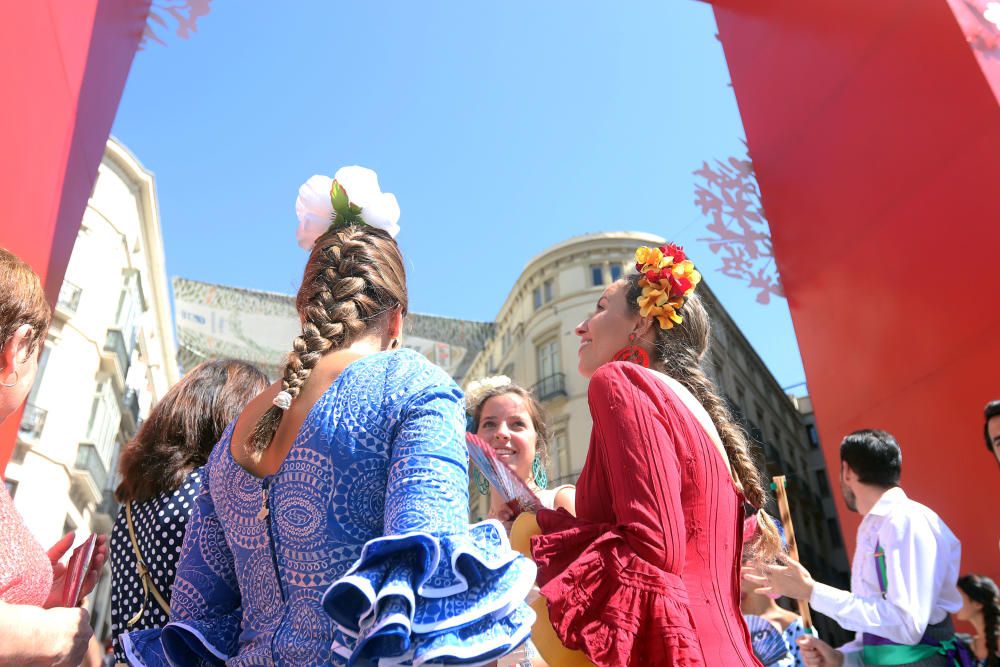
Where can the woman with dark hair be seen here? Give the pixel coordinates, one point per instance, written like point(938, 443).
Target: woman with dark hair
point(981, 608)
point(647, 573)
point(161, 475)
point(34, 628)
point(332, 521)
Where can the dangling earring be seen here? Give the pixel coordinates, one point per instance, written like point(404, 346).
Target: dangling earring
point(481, 484)
point(538, 473)
point(394, 343)
point(632, 353)
point(12, 384)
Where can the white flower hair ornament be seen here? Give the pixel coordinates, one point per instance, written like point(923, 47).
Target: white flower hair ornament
point(478, 388)
point(351, 197)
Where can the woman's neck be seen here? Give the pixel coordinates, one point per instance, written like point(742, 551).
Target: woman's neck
point(758, 605)
point(979, 623)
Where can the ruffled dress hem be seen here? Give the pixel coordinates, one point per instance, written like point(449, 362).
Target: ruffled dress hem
point(608, 602)
point(418, 598)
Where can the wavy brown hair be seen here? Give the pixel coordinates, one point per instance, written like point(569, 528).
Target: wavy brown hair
point(681, 350)
point(353, 280)
point(535, 411)
point(184, 425)
point(22, 300)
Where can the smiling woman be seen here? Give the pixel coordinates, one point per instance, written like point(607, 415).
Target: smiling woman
point(510, 419)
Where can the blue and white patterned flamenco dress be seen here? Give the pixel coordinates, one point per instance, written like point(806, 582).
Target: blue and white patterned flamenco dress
point(357, 550)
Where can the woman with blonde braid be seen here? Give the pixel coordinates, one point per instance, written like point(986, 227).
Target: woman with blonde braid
point(332, 522)
point(648, 574)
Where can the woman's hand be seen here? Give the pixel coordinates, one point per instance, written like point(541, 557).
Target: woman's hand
point(817, 653)
point(58, 550)
point(504, 515)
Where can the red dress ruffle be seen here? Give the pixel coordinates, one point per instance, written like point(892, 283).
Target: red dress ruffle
point(606, 601)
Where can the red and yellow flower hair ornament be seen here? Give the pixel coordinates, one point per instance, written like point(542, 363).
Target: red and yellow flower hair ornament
point(668, 279)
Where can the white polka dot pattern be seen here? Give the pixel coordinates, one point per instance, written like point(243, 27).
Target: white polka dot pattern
point(159, 529)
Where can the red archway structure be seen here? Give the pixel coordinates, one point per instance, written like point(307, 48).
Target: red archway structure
point(874, 129)
point(875, 133)
point(65, 68)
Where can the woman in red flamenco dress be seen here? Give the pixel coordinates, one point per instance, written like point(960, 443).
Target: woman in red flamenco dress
point(648, 572)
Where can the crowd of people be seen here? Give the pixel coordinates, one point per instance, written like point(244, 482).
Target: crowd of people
point(324, 518)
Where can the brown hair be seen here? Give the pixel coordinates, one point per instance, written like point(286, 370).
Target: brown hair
point(681, 350)
point(353, 278)
point(535, 411)
point(22, 301)
point(184, 425)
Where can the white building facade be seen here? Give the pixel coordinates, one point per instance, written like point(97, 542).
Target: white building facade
point(109, 355)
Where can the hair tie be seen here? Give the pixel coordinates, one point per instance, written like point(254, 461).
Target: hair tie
point(283, 400)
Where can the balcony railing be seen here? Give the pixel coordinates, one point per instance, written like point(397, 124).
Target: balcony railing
point(115, 343)
point(550, 387)
point(32, 422)
point(88, 460)
point(69, 296)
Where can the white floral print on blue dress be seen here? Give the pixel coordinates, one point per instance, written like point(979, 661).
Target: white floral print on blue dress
point(364, 554)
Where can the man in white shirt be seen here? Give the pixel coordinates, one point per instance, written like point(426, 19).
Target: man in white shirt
point(904, 574)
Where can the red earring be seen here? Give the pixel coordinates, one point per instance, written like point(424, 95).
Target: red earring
point(632, 353)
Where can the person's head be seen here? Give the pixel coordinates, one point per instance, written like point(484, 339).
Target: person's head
point(868, 458)
point(981, 601)
point(184, 425)
point(510, 419)
point(24, 321)
point(354, 288)
point(991, 428)
point(676, 340)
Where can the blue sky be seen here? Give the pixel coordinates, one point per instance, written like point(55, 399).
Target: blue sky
point(502, 128)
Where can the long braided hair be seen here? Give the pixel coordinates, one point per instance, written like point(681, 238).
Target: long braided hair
point(353, 280)
point(681, 350)
point(982, 590)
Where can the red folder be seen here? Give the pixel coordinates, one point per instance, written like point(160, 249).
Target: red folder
point(76, 571)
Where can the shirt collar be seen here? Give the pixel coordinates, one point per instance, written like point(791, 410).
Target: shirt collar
point(891, 497)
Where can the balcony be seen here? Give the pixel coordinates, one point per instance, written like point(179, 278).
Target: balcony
point(32, 422)
point(89, 461)
point(550, 387)
point(69, 297)
point(115, 344)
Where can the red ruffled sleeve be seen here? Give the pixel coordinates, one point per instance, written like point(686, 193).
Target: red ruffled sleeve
point(614, 590)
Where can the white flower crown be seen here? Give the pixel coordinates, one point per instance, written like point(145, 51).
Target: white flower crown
point(476, 389)
point(351, 196)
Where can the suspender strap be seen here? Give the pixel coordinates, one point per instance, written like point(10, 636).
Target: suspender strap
point(140, 567)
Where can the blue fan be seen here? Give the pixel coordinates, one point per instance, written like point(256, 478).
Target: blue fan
point(768, 644)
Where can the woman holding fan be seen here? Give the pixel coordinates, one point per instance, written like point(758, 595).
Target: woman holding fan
point(510, 420)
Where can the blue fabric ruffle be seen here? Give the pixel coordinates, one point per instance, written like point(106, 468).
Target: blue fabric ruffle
point(415, 598)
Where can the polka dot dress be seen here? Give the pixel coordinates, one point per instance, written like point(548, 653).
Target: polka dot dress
point(159, 526)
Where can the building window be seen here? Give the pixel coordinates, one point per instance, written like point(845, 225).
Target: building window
point(824, 486)
point(507, 340)
point(813, 435)
point(547, 289)
point(11, 487)
point(559, 462)
point(548, 359)
point(596, 275)
point(833, 530)
point(616, 272)
point(537, 297)
point(105, 421)
point(130, 307)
